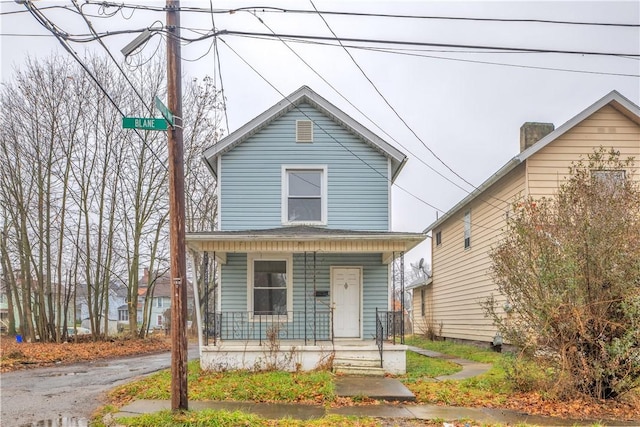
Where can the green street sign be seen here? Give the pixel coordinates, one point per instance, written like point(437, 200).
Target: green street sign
point(144, 123)
point(168, 115)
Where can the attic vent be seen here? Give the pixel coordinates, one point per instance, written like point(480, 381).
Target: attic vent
point(304, 131)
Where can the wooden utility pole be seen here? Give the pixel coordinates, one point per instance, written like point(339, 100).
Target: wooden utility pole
point(179, 399)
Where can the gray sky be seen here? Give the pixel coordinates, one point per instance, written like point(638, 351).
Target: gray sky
point(468, 113)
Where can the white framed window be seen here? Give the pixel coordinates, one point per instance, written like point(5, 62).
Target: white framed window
point(609, 180)
point(304, 195)
point(269, 284)
point(159, 320)
point(467, 229)
point(159, 302)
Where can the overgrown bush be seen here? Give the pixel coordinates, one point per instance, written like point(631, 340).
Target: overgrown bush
point(569, 268)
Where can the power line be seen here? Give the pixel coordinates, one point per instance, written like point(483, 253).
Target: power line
point(361, 112)
point(272, 9)
point(336, 140)
point(46, 23)
point(417, 43)
point(414, 53)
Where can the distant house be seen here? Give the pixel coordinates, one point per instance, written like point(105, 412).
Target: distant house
point(461, 239)
point(160, 295)
point(304, 246)
point(117, 298)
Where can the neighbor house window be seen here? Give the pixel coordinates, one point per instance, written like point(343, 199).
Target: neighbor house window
point(423, 298)
point(123, 315)
point(610, 180)
point(467, 229)
point(438, 238)
point(270, 285)
point(304, 198)
point(159, 320)
point(159, 302)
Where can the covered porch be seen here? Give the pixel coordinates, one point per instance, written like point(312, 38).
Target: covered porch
point(316, 290)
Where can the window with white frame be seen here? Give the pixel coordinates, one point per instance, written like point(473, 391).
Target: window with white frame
point(159, 302)
point(467, 229)
point(270, 285)
point(304, 192)
point(609, 180)
point(159, 320)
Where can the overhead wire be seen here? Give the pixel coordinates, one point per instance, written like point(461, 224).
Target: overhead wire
point(273, 9)
point(326, 132)
point(216, 59)
point(49, 25)
point(392, 108)
point(360, 111)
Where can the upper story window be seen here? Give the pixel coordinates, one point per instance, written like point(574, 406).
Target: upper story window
point(304, 192)
point(159, 302)
point(438, 238)
point(467, 229)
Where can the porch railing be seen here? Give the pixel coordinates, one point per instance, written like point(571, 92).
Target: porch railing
point(393, 326)
point(380, 335)
point(247, 326)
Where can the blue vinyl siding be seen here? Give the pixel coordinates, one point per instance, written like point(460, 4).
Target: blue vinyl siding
point(375, 283)
point(251, 175)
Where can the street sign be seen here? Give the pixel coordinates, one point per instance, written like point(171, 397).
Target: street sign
point(168, 115)
point(144, 123)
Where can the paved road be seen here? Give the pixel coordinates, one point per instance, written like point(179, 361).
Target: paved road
point(67, 395)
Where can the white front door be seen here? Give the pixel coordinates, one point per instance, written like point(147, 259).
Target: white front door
point(345, 291)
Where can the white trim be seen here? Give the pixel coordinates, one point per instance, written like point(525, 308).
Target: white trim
point(284, 193)
point(259, 256)
point(219, 192)
point(305, 95)
point(361, 302)
point(389, 201)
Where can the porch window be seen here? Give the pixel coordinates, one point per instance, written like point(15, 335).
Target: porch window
point(270, 286)
point(304, 195)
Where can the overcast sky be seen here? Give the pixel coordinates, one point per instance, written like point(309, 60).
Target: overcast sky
point(466, 105)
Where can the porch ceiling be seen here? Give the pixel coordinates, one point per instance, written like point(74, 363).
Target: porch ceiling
point(304, 239)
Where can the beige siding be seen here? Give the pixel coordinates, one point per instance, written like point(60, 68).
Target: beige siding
point(421, 323)
point(460, 276)
point(607, 127)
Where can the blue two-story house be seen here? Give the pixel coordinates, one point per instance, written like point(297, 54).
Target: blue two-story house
point(304, 249)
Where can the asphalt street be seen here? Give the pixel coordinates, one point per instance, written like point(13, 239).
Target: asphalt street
point(67, 395)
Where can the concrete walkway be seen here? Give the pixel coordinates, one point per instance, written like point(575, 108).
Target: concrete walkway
point(469, 368)
point(306, 412)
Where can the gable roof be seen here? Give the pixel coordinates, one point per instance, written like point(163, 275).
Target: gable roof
point(304, 95)
point(613, 98)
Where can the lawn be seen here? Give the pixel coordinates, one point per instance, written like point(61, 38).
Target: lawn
point(496, 388)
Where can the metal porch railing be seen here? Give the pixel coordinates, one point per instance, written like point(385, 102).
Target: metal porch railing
point(247, 326)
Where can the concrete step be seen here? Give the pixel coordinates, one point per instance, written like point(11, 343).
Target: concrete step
point(345, 361)
point(365, 371)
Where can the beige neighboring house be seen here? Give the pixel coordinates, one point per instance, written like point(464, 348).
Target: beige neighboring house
point(462, 238)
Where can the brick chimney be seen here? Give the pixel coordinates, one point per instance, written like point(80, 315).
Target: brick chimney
point(532, 132)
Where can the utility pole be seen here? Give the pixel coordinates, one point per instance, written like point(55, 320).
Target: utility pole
point(179, 399)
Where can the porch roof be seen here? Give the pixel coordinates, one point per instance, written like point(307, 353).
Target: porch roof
point(299, 239)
